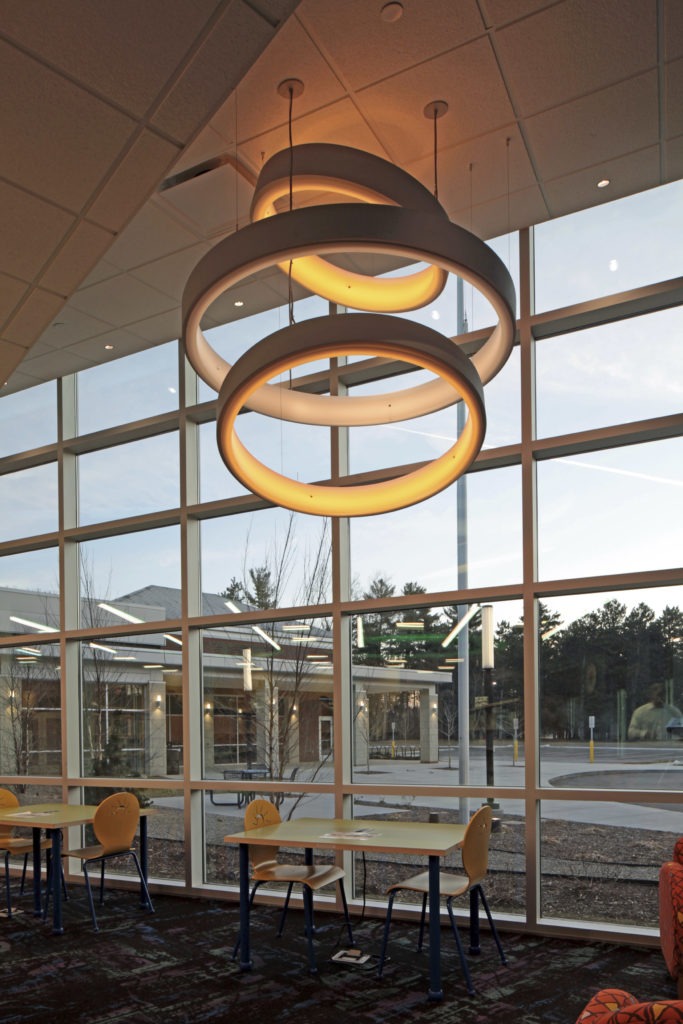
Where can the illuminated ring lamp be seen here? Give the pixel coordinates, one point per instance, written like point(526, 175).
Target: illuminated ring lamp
point(353, 334)
point(348, 228)
point(341, 171)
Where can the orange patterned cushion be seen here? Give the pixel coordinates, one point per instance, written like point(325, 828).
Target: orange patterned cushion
point(671, 913)
point(614, 1006)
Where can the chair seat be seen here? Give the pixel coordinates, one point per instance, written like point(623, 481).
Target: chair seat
point(19, 846)
point(449, 885)
point(315, 876)
point(94, 852)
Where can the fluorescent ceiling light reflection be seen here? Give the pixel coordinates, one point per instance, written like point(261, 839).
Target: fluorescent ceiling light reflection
point(174, 639)
point(101, 647)
point(231, 606)
point(28, 650)
point(410, 625)
point(34, 625)
point(360, 632)
point(152, 666)
point(550, 632)
point(303, 628)
point(125, 657)
point(460, 625)
point(117, 611)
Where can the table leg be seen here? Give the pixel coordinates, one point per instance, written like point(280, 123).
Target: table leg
point(435, 991)
point(37, 868)
point(57, 927)
point(245, 952)
point(144, 858)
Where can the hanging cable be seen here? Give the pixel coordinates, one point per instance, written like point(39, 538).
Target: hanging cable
point(507, 173)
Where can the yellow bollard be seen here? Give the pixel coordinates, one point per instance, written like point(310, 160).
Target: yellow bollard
point(515, 751)
point(591, 751)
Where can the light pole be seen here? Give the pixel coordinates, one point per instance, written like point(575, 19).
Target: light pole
point(487, 666)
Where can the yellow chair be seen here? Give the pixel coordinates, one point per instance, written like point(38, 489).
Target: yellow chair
point(115, 823)
point(475, 860)
point(266, 868)
point(14, 846)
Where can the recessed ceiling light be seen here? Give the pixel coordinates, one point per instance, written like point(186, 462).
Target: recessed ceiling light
point(603, 183)
point(239, 302)
point(172, 391)
point(391, 12)
point(436, 315)
point(614, 265)
point(109, 347)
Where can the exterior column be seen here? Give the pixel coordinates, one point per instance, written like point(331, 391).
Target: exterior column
point(429, 725)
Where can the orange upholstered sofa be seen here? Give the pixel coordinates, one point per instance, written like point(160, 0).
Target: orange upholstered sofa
point(614, 1006)
point(671, 914)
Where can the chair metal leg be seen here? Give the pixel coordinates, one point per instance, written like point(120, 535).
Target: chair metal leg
point(283, 915)
point(236, 948)
point(423, 917)
point(7, 887)
point(461, 951)
point(385, 936)
point(102, 883)
point(143, 883)
point(494, 930)
point(346, 909)
point(23, 875)
point(90, 899)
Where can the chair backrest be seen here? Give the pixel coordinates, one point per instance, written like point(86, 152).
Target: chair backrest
point(115, 822)
point(475, 847)
point(261, 812)
point(8, 802)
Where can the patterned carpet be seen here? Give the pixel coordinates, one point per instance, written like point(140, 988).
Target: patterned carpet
point(174, 966)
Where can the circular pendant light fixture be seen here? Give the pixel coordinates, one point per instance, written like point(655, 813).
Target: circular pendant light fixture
point(384, 211)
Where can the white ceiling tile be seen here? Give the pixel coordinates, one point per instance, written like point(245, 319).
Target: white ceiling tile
point(260, 107)
point(101, 272)
point(673, 29)
point(121, 300)
point(91, 46)
point(590, 130)
point(377, 49)
point(673, 159)
point(151, 235)
point(70, 326)
point(211, 204)
point(673, 110)
point(31, 230)
point(502, 12)
point(11, 292)
point(485, 219)
point(36, 311)
point(10, 357)
point(395, 108)
point(79, 253)
point(169, 275)
point(218, 65)
point(628, 174)
point(124, 343)
point(208, 144)
point(157, 329)
point(576, 48)
point(63, 138)
point(56, 364)
point(133, 181)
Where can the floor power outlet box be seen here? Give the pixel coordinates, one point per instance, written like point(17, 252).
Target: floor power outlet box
point(351, 956)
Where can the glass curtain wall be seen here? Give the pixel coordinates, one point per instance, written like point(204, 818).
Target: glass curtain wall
point(164, 631)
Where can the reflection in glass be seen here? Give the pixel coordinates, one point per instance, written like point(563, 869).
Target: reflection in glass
point(417, 676)
point(132, 706)
point(611, 690)
point(32, 571)
point(30, 710)
point(137, 571)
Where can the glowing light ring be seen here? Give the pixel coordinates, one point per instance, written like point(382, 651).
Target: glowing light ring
point(348, 228)
point(301, 343)
point(356, 175)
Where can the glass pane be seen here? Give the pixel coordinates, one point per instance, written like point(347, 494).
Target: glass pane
point(422, 544)
point(417, 675)
point(132, 706)
point(28, 419)
point(610, 511)
point(30, 710)
point(611, 690)
point(267, 700)
point(33, 571)
point(29, 502)
point(295, 450)
point(145, 384)
point(138, 573)
point(232, 340)
point(609, 248)
point(504, 885)
point(600, 861)
point(268, 559)
point(615, 373)
point(129, 479)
